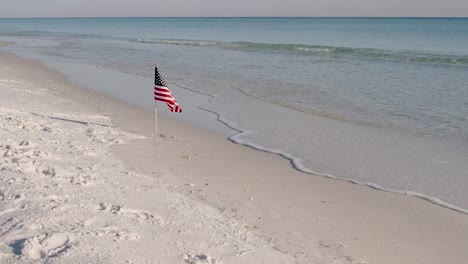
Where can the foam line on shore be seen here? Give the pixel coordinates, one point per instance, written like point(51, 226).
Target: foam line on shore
point(297, 164)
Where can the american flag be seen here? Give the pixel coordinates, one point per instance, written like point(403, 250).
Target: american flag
point(162, 93)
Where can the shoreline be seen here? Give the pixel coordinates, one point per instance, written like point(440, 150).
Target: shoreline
point(231, 131)
point(301, 214)
point(419, 161)
point(296, 163)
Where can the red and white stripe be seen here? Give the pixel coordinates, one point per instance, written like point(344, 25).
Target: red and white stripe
point(163, 94)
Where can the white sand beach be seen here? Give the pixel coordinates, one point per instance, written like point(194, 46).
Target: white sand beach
point(83, 179)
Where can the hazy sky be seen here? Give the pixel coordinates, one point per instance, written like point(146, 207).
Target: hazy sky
point(67, 8)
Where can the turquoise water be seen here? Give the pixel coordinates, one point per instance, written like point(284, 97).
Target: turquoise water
point(402, 75)
point(409, 73)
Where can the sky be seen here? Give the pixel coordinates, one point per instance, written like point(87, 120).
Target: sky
point(165, 8)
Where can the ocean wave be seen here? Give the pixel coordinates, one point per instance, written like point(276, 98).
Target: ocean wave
point(319, 50)
point(182, 42)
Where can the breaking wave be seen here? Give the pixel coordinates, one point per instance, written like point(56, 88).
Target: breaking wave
point(319, 50)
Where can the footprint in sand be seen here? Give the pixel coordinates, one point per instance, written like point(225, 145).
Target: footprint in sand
point(135, 214)
point(82, 180)
point(23, 149)
point(199, 259)
point(129, 236)
point(85, 176)
point(27, 167)
point(23, 157)
point(115, 234)
point(23, 122)
point(42, 247)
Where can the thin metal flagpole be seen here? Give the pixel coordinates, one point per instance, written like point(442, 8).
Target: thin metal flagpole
point(155, 109)
point(155, 118)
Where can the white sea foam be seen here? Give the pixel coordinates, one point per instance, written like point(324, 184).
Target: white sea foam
point(179, 42)
point(297, 163)
point(307, 49)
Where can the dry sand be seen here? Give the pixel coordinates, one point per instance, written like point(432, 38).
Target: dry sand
point(84, 180)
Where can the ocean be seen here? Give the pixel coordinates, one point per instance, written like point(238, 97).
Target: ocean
point(375, 101)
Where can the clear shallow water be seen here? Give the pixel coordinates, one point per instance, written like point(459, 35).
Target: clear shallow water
point(395, 91)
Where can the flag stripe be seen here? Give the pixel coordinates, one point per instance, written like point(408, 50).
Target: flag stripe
point(168, 101)
point(163, 94)
point(169, 95)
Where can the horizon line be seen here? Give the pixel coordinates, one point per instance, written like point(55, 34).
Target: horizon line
point(84, 17)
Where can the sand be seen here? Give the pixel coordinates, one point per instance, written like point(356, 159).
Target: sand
point(85, 180)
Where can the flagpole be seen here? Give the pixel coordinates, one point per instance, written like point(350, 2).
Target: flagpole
point(155, 119)
point(155, 112)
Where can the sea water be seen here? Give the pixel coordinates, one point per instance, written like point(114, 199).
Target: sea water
point(377, 101)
